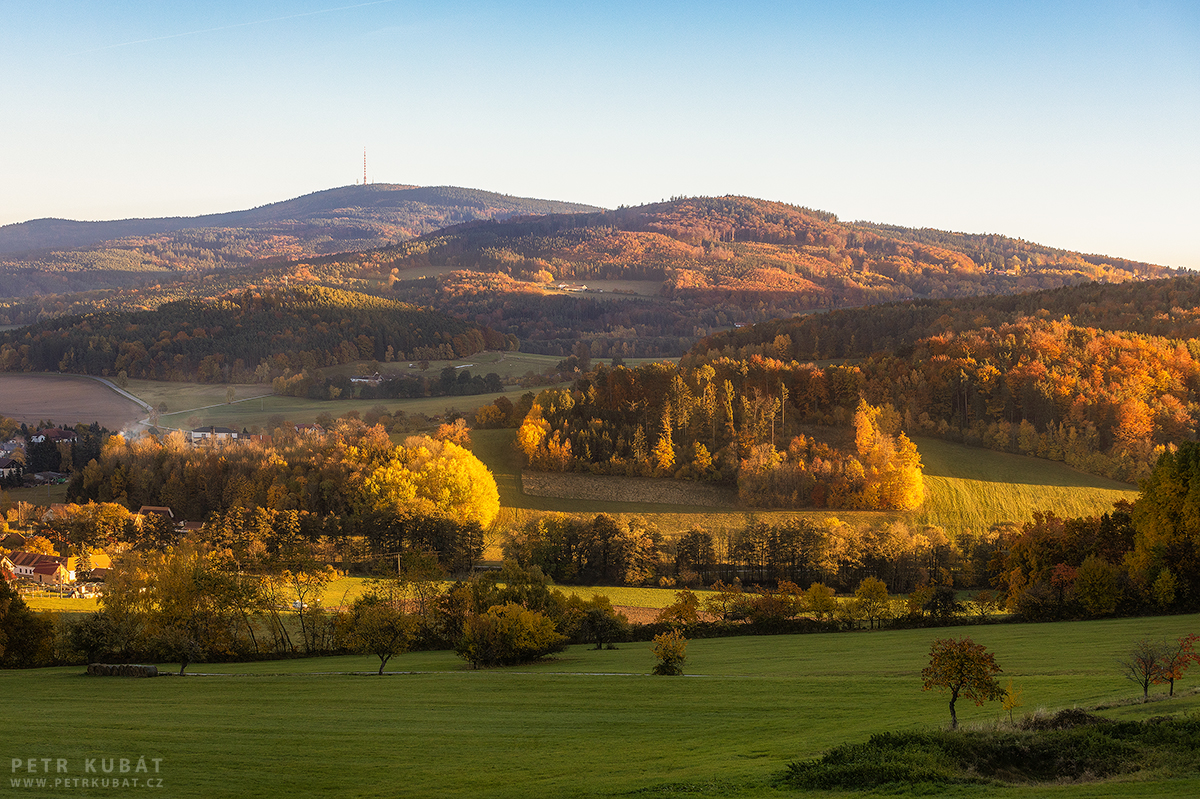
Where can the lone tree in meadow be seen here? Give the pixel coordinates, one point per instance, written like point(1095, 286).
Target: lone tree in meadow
point(1143, 664)
point(965, 668)
point(377, 625)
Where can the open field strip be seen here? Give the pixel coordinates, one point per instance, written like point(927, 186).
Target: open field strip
point(254, 404)
point(64, 399)
point(585, 724)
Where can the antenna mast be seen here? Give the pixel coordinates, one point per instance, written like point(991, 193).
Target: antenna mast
point(364, 166)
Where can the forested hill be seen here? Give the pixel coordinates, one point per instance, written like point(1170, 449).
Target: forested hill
point(1103, 377)
point(748, 250)
point(243, 337)
point(57, 255)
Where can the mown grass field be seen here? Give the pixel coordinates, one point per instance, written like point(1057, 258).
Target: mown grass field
point(588, 724)
point(976, 488)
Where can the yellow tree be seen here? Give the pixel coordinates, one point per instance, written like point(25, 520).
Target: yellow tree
point(663, 455)
point(532, 435)
point(437, 478)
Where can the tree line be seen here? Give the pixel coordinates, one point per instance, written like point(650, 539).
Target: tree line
point(243, 337)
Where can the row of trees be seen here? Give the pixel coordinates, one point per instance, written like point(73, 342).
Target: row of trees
point(344, 471)
point(451, 382)
point(599, 550)
point(194, 602)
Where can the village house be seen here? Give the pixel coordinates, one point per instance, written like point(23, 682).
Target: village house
point(54, 435)
point(51, 574)
point(212, 433)
point(374, 379)
point(9, 468)
point(146, 511)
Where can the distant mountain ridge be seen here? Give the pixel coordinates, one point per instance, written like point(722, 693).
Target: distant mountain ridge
point(376, 201)
point(741, 247)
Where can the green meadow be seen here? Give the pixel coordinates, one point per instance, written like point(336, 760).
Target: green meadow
point(588, 723)
point(254, 405)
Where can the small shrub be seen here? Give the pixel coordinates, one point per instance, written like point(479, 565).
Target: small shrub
point(507, 635)
point(671, 650)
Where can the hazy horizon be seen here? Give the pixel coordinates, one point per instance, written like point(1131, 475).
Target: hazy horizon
point(1069, 124)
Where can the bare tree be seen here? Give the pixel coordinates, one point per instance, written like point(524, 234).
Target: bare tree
point(1144, 664)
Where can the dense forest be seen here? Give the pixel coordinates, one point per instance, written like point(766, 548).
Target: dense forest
point(1140, 557)
point(746, 251)
point(744, 423)
point(244, 337)
point(1101, 377)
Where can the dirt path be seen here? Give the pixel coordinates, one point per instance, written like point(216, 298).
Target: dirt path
point(627, 489)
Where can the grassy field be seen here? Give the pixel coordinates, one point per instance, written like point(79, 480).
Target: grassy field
point(345, 590)
point(976, 488)
point(590, 723)
point(41, 495)
point(254, 404)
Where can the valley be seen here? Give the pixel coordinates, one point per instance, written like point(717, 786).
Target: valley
point(737, 414)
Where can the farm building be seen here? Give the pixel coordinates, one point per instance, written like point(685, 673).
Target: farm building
point(51, 574)
point(27, 565)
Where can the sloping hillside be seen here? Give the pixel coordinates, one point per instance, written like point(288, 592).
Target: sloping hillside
point(753, 250)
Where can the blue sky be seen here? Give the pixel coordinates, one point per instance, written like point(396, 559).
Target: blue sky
point(1072, 124)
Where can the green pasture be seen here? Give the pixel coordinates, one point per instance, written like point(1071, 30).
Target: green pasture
point(261, 410)
point(62, 604)
point(588, 723)
point(39, 495)
point(631, 596)
point(345, 590)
